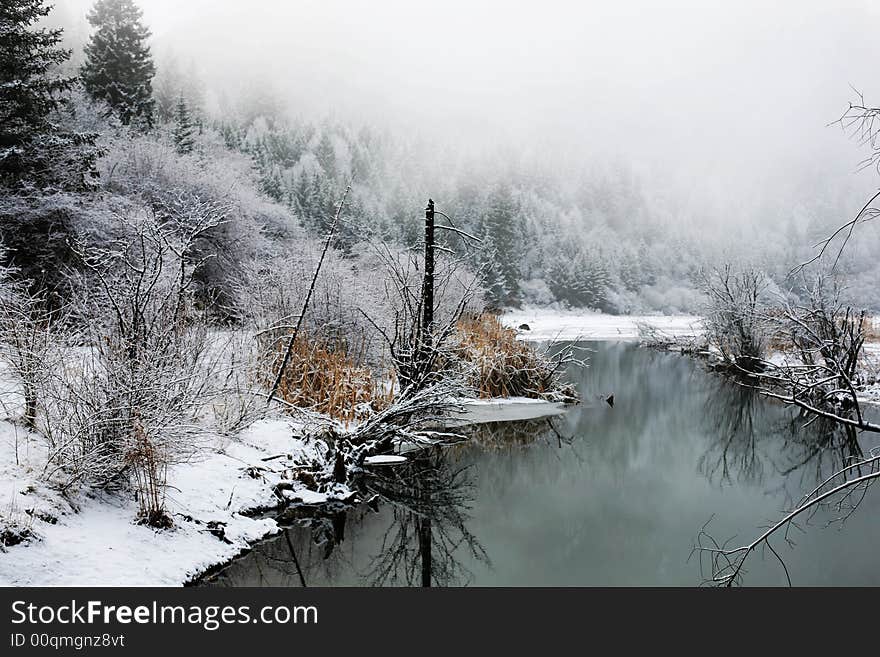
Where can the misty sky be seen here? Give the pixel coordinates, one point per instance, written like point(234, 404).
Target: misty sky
point(738, 88)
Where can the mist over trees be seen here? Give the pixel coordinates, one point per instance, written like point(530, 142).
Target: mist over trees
point(595, 233)
point(182, 256)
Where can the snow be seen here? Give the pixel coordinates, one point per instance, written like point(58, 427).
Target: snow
point(306, 496)
point(871, 394)
point(101, 545)
point(585, 325)
point(384, 459)
point(508, 409)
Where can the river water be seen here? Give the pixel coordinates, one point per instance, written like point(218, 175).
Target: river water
point(600, 496)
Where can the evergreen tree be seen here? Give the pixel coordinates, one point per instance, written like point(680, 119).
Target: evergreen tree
point(183, 128)
point(35, 150)
point(578, 276)
point(119, 68)
point(326, 155)
point(168, 87)
point(502, 233)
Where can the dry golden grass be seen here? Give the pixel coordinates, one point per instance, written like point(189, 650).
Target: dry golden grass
point(327, 379)
point(503, 366)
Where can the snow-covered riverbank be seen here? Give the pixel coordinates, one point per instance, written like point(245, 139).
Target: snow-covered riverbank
point(93, 539)
point(547, 325)
point(583, 325)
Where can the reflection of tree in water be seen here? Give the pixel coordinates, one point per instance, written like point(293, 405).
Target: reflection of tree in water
point(816, 447)
point(302, 554)
point(428, 534)
point(539, 451)
point(511, 435)
point(730, 417)
point(424, 504)
point(739, 421)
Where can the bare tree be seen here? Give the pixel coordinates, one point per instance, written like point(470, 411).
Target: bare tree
point(735, 316)
point(828, 338)
point(126, 402)
point(26, 325)
point(862, 123)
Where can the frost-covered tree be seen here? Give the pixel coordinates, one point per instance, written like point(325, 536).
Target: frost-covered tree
point(168, 87)
point(502, 233)
point(36, 151)
point(170, 84)
point(183, 128)
point(326, 155)
point(119, 67)
point(578, 276)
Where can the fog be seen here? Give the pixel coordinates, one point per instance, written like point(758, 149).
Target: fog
point(709, 86)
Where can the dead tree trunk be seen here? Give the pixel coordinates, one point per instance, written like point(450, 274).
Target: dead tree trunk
point(428, 283)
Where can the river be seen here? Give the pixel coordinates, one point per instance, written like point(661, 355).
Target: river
point(600, 496)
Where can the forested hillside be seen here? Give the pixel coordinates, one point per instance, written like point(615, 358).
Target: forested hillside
point(580, 231)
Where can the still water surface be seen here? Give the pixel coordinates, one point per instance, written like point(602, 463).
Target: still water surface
point(603, 496)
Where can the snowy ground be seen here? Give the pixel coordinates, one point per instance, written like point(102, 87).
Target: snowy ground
point(94, 540)
point(544, 325)
point(559, 325)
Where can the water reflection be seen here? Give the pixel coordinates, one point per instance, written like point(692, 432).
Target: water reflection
point(602, 496)
point(429, 498)
point(733, 453)
point(425, 542)
point(744, 444)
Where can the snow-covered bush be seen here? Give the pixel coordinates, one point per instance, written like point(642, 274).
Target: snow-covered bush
point(174, 186)
point(536, 292)
point(127, 401)
point(270, 294)
point(735, 316)
point(26, 342)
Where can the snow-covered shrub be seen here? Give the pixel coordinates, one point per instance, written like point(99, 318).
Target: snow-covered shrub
point(26, 342)
point(536, 292)
point(16, 526)
point(127, 401)
point(235, 391)
point(669, 296)
point(36, 232)
point(179, 186)
point(270, 295)
point(735, 316)
point(826, 334)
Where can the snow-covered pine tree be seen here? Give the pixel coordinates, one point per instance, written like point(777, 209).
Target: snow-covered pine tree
point(119, 67)
point(502, 233)
point(168, 87)
point(35, 150)
point(183, 128)
point(578, 276)
point(326, 155)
